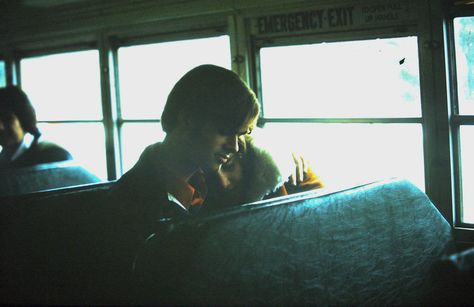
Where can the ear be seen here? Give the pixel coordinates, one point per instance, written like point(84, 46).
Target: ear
point(186, 121)
point(189, 124)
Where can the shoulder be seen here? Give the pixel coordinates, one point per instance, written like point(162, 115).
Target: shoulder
point(50, 151)
point(144, 167)
point(140, 192)
point(42, 152)
point(142, 176)
point(149, 153)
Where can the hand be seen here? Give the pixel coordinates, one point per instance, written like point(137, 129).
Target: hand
point(301, 168)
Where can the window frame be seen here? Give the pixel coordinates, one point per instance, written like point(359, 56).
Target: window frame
point(107, 43)
point(150, 39)
point(436, 87)
point(320, 38)
point(64, 49)
point(392, 31)
point(464, 229)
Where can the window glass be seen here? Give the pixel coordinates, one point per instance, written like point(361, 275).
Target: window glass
point(148, 72)
point(467, 173)
point(348, 154)
point(85, 141)
point(64, 86)
point(366, 78)
point(464, 46)
point(135, 138)
point(3, 78)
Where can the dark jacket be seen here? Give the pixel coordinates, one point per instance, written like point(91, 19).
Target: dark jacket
point(136, 207)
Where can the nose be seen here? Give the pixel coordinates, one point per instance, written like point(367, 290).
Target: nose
point(233, 143)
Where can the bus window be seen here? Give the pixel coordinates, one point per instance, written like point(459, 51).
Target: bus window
point(464, 55)
point(354, 106)
point(368, 78)
point(147, 74)
point(65, 91)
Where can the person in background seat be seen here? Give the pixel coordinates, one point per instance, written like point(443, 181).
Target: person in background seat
point(20, 140)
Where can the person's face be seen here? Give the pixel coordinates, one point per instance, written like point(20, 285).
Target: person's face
point(226, 186)
point(214, 149)
point(11, 132)
point(230, 174)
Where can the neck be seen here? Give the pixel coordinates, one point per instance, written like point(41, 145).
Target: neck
point(175, 157)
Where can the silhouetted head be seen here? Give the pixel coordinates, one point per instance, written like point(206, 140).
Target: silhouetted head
point(13, 101)
point(210, 94)
point(17, 117)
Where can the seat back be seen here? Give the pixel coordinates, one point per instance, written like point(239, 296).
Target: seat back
point(370, 245)
point(50, 244)
point(42, 177)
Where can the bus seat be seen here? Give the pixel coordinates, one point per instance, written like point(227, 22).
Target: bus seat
point(49, 242)
point(44, 176)
point(370, 245)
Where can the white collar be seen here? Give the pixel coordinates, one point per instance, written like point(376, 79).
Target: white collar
point(176, 201)
point(24, 146)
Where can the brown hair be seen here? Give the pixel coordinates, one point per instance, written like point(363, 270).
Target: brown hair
point(212, 94)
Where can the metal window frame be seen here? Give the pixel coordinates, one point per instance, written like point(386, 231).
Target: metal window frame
point(325, 37)
point(434, 100)
point(150, 39)
point(107, 44)
point(64, 48)
point(382, 32)
point(456, 121)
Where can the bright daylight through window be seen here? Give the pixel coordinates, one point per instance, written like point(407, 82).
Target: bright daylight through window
point(147, 74)
point(68, 105)
point(376, 78)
